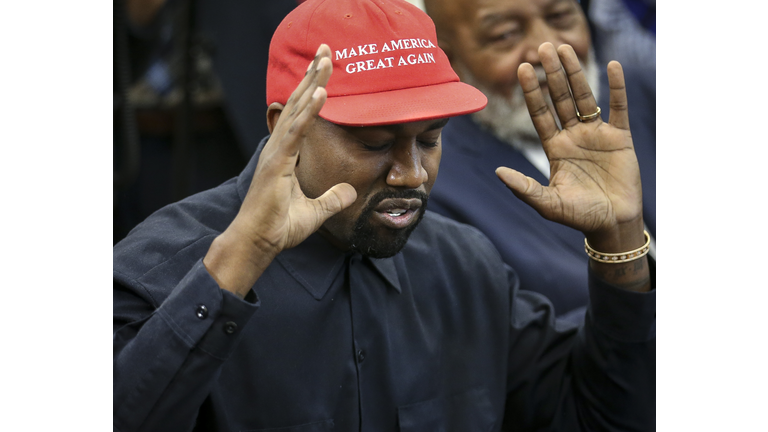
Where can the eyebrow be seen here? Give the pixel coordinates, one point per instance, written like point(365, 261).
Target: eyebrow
point(494, 17)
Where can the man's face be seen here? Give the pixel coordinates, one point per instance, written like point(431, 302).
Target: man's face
point(491, 38)
point(487, 40)
point(392, 168)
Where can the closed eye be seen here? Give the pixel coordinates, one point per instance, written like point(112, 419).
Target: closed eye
point(377, 146)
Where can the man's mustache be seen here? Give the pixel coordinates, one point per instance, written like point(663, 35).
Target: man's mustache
point(386, 194)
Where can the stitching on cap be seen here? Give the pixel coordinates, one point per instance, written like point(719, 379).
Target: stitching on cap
point(309, 24)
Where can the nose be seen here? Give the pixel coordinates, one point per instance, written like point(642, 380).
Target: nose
point(538, 33)
point(407, 170)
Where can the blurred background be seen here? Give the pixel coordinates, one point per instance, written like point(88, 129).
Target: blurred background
point(189, 97)
point(189, 89)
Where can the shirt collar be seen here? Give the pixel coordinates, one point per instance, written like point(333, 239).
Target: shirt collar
point(315, 263)
point(387, 269)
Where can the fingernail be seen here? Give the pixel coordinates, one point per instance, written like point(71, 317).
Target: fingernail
point(316, 93)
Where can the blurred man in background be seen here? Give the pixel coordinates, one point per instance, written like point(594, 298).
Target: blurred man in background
point(486, 41)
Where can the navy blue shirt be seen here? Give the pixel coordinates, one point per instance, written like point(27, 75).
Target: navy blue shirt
point(439, 337)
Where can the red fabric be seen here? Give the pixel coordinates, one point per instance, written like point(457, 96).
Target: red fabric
point(387, 67)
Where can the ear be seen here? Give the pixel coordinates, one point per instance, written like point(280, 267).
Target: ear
point(273, 115)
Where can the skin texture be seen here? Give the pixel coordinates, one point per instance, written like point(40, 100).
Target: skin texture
point(402, 157)
point(311, 170)
point(499, 42)
point(595, 182)
point(492, 38)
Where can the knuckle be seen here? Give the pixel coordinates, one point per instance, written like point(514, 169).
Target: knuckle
point(539, 111)
point(583, 95)
point(561, 97)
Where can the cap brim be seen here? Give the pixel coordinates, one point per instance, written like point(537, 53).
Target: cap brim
point(404, 105)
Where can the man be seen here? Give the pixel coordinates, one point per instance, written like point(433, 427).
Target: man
point(486, 41)
point(315, 292)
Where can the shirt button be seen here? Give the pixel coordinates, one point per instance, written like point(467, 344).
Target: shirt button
point(230, 327)
point(360, 356)
point(202, 312)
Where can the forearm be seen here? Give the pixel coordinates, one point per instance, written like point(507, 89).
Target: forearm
point(614, 361)
point(164, 364)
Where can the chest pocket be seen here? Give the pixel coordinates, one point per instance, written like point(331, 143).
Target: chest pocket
point(466, 411)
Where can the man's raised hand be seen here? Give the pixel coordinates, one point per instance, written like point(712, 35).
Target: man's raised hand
point(276, 215)
point(594, 176)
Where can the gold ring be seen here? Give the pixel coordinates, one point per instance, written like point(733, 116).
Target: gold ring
point(590, 117)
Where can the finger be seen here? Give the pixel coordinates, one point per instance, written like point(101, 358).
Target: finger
point(296, 118)
point(325, 72)
point(542, 118)
point(317, 76)
point(582, 93)
point(278, 159)
point(298, 127)
point(557, 82)
point(305, 82)
point(321, 68)
point(333, 201)
point(619, 116)
point(527, 189)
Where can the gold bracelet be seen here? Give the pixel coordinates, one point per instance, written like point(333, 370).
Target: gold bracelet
point(621, 257)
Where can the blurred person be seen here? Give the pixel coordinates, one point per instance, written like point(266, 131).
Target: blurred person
point(190, 94)
point(625, 30)
point(315, 291)
point(486, 41)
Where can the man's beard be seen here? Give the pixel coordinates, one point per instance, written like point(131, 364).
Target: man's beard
point(381, 241)
point(508, 118)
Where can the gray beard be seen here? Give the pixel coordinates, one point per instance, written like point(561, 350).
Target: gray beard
point(508, 118)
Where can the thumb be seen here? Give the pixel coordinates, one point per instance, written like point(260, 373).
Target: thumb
point(527, 189)
point(334, 200)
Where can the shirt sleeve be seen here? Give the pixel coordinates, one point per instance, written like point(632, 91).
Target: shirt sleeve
point(167, 358)
point(600, 375)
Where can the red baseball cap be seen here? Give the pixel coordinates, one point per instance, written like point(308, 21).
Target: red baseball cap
point(387, 67)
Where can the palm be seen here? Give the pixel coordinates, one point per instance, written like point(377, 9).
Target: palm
point(593, 166)
point(276, 214)
point(594, 176)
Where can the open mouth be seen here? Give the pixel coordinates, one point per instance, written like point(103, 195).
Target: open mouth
point(397, 213)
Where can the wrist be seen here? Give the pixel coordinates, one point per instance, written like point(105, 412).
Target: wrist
point(622, 237)
point(630, 274)
point(236, 264)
